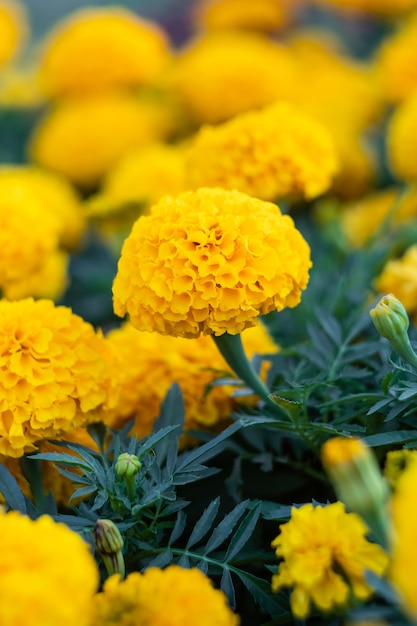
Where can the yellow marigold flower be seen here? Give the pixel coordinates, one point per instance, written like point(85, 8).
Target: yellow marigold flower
point(48, 575)
point(396, 462)
point(49, 280)
point(140, 177)
point(399, 277)
point(263, 15)
point(143, 383)
point(19, 88)
point(83, 138)
point(402, 150)
point(222, 74)
point(396, 62)
point(53, 373)
point(325, 554)
point(379, 8)
point(357, 162)
point(208, 262)
point(102, 48)
point(13, 27)
point(170, 597)
point(270, 154)
point(60, 202)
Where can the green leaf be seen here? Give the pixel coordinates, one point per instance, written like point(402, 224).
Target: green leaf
point(172, 413)
point(204, 524)
point(261, 591)
point(243, 533)
point(178, 528)
point(61, 458)
point(226, 585)
point(395, 437)
point(11, 491)
point(225, 528)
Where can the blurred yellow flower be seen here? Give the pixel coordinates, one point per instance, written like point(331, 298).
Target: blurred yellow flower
point(13, 29)
point(19, 88)
point(262, 15)
point(208, 262)
point(404, 549)
point(143, 382)
point(400, 142)
point(399, 277)
point(270, 154)
point(396, 462)
point(325, 554)
point(222, 74)
point(101, 48)
point(157, 597)
point(48, 575)
point(49, 280)
point(396, 61)
point(83, 138)
point(54, 373)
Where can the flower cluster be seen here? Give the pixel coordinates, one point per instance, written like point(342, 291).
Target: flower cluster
point(209, 262)
point(53, 375)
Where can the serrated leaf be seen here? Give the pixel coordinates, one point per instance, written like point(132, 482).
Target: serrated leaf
point(261, 592)
point(152, 440)
point(394, 437)
point(162, 560)
point(226, 585)
point(379, 405)
point(243, 533)
point(202, 565)
point(203, 525)
point(330, 325)
point(225, 528)
point(172, 413)
point(178, 528)
point(82, 492)
point(11, 491)
point(184, 561)
point(61, 458)
point(100, 500)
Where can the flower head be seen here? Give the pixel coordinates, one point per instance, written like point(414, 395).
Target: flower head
point(143, 383)
point(325, 554)
point(222, 74)
point(101, 48)
point(82, 138)
point(208, 262)
point(401, 147)
point(13, 27)
point(53, 373)
point(48, 575)
point(170, 597)
point(270, 154)
point(263, 15)
point(399, 277)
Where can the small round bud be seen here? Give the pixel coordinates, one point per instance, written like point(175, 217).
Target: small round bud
point(390, 317)
point(127, 465)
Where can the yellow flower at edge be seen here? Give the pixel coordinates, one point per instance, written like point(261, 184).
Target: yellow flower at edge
point(273, 153)
point(170, 597)
point(400, 144)
point(262, 15)
point(82, 138)
point(47, 573)
point(396, 462)
point(324, 554)
point(49, 280)
point(208, 262)
point(399, 277)
point(13, 27)
point(101, 48)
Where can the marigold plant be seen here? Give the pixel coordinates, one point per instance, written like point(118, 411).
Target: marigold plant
point(101, 48)
point(169, 597)
point(53, 376)
point(208, 262)
point(324, 554)
point(48, 575)
point(273, 153)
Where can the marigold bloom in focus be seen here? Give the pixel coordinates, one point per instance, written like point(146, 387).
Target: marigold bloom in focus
point(143, 382)
point(399, 277)
point(222, 74)
point(83, 138)
point(157, 597)
point(53, 376)
point(47, 573)
point(208, 262)
point(262, 15)
point(101, 48)
point(13, 28)
point(270, 154)
point(325, 554)
point(401, 147)
point(404, 549)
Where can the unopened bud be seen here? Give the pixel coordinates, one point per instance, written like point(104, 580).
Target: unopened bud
point(358, 482)
point(391, 321)
point(127, 464)
point(109, 544)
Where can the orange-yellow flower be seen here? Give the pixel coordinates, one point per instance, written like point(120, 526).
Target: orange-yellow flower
point(208, 262)
point(262, 15)
point(13, 28)
point(101, 48)
point(401, 147)
point(170, 597)
point(48, 575)
point(399, 277)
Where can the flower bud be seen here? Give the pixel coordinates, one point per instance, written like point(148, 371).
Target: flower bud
point(357, 481)
point(391, 321)
point(127, 465)
point(109, 544)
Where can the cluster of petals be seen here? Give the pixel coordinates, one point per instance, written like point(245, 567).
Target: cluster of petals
point(324, 554)
point(208, 262)
point(143, 382)
point(48, 575)
point(13, 27)
point(273, 153)
point(101, 48)
point(170, 597)
point(54, 374)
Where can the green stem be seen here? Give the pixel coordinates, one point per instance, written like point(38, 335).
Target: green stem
point(231, 348)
